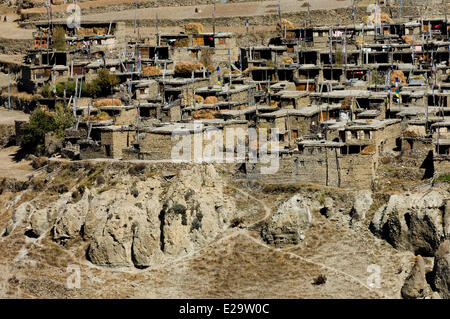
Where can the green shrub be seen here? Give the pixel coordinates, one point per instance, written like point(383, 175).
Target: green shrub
point(63, 118)
point(197, 222)
point(102, 85)
point(47, 91)
point(34, 132)
point(444, 178)
point(180, 210)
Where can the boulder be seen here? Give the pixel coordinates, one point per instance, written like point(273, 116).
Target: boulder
point(71, 220)
point(411, 222)
point(415, 283)
point(447, 220)
point(53, 144)
point(363, 201)
point(441, 270)
point(288, 224)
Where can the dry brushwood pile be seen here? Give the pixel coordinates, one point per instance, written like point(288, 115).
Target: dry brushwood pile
point(188, 67)
point(384, 18)
point(287, 60)
point(108, 102)
point(193, 28)
point(398, 74)
point(211, 100)
point(346, 103)
point(248, 70)
point(188, 100)
point(407, 39)
point(368, 150)
point(151, 71)
point(285, 24)
point(204, 115)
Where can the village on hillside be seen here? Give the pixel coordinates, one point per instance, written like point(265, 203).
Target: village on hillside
point(338, 96)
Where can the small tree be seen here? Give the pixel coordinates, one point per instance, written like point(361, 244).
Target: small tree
point(63, 118)
point(47, 91)
point(59, 39)
point(103, 84)
point(34, 131)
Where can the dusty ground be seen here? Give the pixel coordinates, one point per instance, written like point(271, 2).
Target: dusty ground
point(222, 10)
point(10, 168)
point(9, 116)
point(11, 30)
point(188, 12)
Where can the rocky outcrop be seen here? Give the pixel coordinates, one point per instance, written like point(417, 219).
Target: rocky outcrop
point(362, 203)
point(441, 270)
point(415, 283)
point(289, 222)
point(412, 222)
point(140, 220)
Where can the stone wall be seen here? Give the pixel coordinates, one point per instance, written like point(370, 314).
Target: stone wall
point(324, 167)
point(113, 142)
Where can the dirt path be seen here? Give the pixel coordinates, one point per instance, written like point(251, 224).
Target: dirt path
point(9, 116)
point(10, 29)
point(12, 169)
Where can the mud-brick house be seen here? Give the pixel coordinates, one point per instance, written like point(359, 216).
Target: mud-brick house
point(307, 75)
point(173, 89)
point(261, 55)
point(150, 52)
point(441, 147)
point(416, 141)
point(367, 136)
point(294, 99)
point(235, 93)
point(363, 99)
point(147, 89)
point(322, 162)
point(158, 143)
point(291, 123)
point(224, 43)
point(265, 74)
point(149, 111)
point(121, 115)
point(115, 138)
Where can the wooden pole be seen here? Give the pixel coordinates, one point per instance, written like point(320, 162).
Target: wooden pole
point(9, 89)
point(135, 16)
point(214, 20)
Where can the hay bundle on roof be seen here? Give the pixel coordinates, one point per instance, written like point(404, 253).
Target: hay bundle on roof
point(368, 150)
point(199, 99)
point(103, 116)
point(189, 99)
point(345, 105)
point(384, 18)
point(107, 102)
point(193, 28)
point(287, 60)
point(187, 67)
point(398, 74)
point(204, 115)
point(211, 100)
point(248, 70)
point(407, 39)
point(151, 71)
point(285, 23)
point(408, 133)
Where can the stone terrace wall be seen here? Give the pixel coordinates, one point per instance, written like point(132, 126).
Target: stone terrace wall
point(327, 168)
